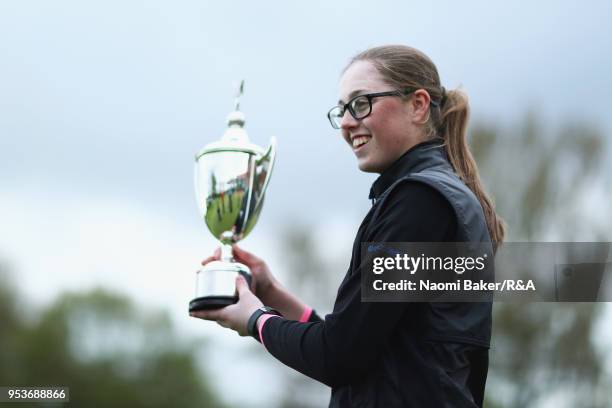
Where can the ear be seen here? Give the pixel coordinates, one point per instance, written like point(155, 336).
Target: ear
point(420, 106)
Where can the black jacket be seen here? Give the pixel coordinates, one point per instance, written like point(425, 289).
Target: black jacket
point(399, 354)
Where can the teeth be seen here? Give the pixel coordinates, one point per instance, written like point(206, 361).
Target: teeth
point(360, 140)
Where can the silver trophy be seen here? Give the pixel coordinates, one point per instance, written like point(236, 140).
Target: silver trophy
point(231, 177)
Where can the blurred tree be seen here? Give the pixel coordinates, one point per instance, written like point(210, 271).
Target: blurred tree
point(316, 282)
point(105, 349)
point(541, 182)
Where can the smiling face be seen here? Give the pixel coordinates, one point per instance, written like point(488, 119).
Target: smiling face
point(390, 129)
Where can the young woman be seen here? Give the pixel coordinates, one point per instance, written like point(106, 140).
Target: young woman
point(401, 123)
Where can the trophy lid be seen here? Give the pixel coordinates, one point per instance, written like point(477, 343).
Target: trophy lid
point(235, 138)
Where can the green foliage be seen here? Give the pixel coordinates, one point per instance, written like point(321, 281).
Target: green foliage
point(538, 178)
point(105, 349)
point(539, 181)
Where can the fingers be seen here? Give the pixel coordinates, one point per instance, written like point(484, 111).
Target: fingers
point(243, 256)
point(242, 286)
point(220, 316)
point(223, 324)
point(215, 315)
point(214, 257)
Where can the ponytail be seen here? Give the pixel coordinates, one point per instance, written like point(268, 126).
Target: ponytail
point(454, 114)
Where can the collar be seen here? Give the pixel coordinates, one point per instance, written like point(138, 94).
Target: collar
point(415, 159)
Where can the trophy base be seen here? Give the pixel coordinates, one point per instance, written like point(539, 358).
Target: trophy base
point(211, 302)
point(216, 285)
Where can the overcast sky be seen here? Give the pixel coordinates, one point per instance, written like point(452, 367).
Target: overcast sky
point(113, 98)
point(103, 105)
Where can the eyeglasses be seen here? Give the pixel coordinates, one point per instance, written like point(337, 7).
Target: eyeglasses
point(360, 106)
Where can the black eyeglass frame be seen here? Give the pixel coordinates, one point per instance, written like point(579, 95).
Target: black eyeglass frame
point(404, 92)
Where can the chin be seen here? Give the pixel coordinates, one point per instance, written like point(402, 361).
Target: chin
point(367, 167)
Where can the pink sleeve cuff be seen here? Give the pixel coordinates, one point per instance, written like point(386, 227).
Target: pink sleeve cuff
point(306, 314)
point(260, 324)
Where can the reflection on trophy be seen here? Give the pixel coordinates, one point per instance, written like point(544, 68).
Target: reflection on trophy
point(231, 177)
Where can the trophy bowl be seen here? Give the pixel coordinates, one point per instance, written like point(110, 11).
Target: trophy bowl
point(231, 178)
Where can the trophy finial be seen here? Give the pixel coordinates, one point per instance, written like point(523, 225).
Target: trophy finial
point(236, 118)
point(239, 93)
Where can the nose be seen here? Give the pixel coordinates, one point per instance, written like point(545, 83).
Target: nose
point(348, 121)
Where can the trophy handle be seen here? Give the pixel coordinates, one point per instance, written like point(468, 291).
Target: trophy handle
point(271, 151)
point(269, 155)
point(265, 162)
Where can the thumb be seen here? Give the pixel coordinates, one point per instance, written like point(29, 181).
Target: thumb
point(243, 255)
point(242, 287)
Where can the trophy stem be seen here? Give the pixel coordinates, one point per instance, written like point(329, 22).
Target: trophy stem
point(226, 253)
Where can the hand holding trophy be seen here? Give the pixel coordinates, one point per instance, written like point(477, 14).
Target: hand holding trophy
point(231, 177)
